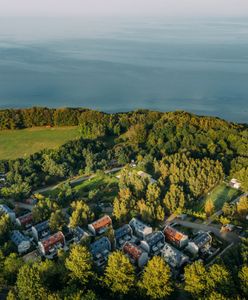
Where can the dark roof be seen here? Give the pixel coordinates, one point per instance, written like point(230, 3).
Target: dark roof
point(122, 231)
point(100, 246)
point(6, 209)
point(17, 237)
point(42, 226)
point(79, 232)
point(202, 239)
point(154, 238)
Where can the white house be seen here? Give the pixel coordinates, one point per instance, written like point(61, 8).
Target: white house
point(140, 229)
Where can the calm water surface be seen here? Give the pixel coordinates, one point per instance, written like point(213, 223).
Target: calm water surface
point(124, 64)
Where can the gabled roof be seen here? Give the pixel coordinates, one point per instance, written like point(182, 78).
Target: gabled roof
point(154, 238)
point(26, 219)
point(132, 250)
point(42, 226)
point(102, 222)
point(79, 231)
point(173, 256)
point(4, 208)
point(53, 240)
point(138, 225)
point(202, 239)
point(100, 246)
point(173, 234)
point(122, 231)
point(17, 237)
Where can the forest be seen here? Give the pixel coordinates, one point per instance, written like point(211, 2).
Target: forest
point(187, 156)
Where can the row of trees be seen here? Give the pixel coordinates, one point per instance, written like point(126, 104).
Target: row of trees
point(73, 276)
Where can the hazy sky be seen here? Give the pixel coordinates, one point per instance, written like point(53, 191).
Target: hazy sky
point(123, 7)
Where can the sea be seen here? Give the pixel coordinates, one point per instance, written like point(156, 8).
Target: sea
point(120, 64)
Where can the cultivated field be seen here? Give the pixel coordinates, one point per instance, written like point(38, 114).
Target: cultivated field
point(22, 143)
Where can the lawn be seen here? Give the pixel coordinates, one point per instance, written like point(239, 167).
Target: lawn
point(22, 143)
point(219, 195)
point(106, 184)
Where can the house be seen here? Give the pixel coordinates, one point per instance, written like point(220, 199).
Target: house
point(176, 237)
point(192, 248)
point(41, 231)
point(234, 183)
point(153, 243)
point(21, 241)
point(146, 175)
point(4, 209)
point(203, 241)
point(175, 258)
point(100, 226)
point(25, 221)
point(140, 229)
point(136, 254)
point(79, 234)
point(50, 245)
point(122, 235)
point(100, 250)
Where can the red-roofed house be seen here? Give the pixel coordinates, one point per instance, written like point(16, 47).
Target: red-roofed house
point(100, 225)
point(25, 220)
point(176, 237)
point(136, 254)
point(50, 245)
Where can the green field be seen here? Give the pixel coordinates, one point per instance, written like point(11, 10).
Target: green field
point(105, 184)
point(22, 143)
point(219, 195)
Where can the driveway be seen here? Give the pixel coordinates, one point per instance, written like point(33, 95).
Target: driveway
point(229, 237)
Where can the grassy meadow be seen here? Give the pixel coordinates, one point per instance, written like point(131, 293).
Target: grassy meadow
point(22, 143)
point(219, 195)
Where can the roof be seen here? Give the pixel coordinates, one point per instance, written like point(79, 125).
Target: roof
point(42, 226)
point(6, 209)
point(26, 219)
point(100, 246)
point(17, 237)
point(154, 238)
point(79, 232)
point(138, 225)
point(122, 231)
point(53, 240)
point(173, 234)
point(132, 250)
point(202, 239)
point(173, 256)
point(102, 222)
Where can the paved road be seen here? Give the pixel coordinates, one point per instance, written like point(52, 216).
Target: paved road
point(219, 212)
point(229, 237)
